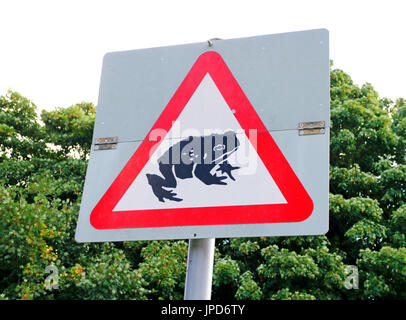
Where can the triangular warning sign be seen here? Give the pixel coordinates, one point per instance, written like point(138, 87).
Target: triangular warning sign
point(243, 179)
point(203, 115)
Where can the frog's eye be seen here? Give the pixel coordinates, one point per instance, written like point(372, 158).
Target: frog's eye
point(219, 147)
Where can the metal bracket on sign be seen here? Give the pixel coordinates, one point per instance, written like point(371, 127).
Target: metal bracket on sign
point(310, 128)
point(107, 143)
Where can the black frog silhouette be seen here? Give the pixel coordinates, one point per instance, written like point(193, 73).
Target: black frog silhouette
point(194, 157)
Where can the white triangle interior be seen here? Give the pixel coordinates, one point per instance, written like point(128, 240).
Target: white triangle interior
point(205, 113)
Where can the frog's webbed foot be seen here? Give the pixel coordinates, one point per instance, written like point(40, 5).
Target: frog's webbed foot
point(204, 175)
point(215, 179)
point(156, 183)
point(167, 194)
point(225, 167)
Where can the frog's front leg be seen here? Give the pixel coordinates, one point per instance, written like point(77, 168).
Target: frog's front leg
point(225, 167)
point(202, 172)
point(169, 181)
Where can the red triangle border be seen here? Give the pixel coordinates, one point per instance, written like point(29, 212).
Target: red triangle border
point(299, 205)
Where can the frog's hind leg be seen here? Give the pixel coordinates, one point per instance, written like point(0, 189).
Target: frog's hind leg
point(202, 172)
point(158, 183)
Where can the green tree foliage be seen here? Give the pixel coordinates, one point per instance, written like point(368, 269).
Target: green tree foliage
point(70, 128)
point(42, 168)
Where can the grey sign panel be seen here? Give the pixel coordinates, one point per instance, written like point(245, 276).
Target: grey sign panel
point(284, 76)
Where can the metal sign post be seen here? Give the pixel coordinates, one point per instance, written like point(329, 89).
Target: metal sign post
point(199, 269)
